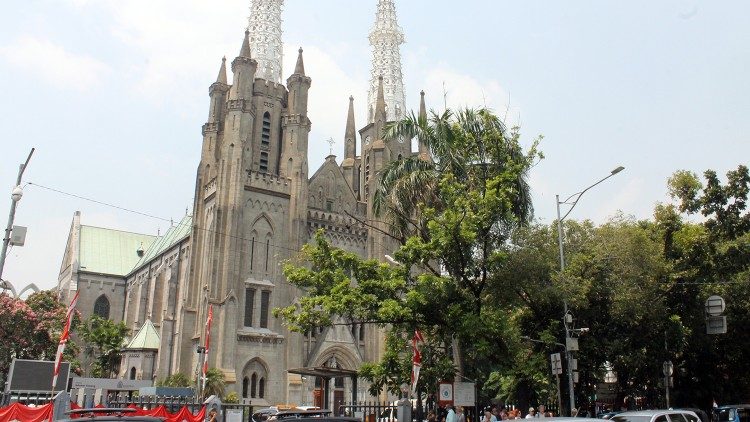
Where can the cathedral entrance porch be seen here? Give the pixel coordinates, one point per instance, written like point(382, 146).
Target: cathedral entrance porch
point(325, 374)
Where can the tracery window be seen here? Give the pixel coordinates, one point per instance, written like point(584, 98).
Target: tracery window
point(101, 307)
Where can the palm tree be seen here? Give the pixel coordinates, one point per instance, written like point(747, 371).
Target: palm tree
point(214, 383)
point(472, 146)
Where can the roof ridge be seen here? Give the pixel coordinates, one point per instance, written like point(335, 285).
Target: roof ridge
point(117, 230)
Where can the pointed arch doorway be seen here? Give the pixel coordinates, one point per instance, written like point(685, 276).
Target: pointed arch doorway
point(326, 373)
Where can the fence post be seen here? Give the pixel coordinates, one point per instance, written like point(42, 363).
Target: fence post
point(60, 405)
point(214, 403)
point(403, 412)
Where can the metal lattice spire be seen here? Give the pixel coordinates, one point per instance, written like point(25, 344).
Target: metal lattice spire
point(385, 38)
point(264, 25)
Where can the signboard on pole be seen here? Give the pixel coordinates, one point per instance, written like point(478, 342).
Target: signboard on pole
point(556, 362)
point(464, 394)
point(445, 396)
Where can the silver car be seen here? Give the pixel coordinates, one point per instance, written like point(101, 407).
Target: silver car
point(656, 416)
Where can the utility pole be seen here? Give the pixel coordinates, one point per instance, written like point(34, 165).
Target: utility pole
point(15, 197)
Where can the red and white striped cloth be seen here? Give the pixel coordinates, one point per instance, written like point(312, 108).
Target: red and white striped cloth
point(208, 339)
point(64, 337)
point(416, 363)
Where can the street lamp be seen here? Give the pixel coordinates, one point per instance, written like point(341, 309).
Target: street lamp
point(572, 201)
point(15, 196)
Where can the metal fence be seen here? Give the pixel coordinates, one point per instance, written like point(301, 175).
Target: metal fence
point(172, 403)
point(35, 398)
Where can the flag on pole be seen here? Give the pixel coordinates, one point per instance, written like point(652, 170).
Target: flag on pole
point(208, 339)
point(64, 337)
point(416, 359)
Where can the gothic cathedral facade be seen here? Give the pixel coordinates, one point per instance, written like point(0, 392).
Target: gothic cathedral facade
point(255, 206)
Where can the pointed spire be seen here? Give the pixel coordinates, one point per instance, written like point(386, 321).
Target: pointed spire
point(380, 112)
point(299, 68)
point(422, 108)
point(265, 27)
point(424, 152)
point(222, 78)
point(245, 50)
point(351, 132)
point(385, 38)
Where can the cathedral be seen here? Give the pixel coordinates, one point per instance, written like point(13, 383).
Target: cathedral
point(256, 204)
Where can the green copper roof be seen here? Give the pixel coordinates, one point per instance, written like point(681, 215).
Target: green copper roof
point(110, 251)
point(174, 235)
point(146, 338)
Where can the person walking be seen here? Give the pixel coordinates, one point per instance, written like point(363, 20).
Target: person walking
point(451, 416)
point(532, 413)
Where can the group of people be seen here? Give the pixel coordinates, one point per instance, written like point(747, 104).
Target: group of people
point(495, 413)
point(447, 414)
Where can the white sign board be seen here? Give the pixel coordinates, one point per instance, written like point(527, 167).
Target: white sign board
point(233, 415)
point(446, 392)
point(110, 384)
point(464, 394)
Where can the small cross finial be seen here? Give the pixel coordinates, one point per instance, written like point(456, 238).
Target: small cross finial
point(331, 143)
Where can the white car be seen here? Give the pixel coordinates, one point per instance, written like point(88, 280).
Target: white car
point(675, 415)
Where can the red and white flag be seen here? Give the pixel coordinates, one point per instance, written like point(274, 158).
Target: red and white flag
point(416, 362)
point(208, 339)
point(64, 337)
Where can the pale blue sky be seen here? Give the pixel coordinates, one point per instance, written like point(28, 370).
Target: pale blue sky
point(113, 93)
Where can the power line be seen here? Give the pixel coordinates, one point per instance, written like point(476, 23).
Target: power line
point(106, 204)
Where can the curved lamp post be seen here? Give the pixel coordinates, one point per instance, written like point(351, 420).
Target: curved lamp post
point(571, 201)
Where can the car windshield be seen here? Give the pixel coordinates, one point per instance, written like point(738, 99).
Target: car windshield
point(630, 418)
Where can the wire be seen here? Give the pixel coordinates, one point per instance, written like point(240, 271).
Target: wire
point(171, 221)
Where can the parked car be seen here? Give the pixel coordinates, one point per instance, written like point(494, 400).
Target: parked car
point(669, 415)
point(731, 413)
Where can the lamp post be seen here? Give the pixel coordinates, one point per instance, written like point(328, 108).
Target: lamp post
point(567, 317)
point(15, 196)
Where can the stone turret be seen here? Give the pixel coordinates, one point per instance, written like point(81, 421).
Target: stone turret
point(296, 128)
point(244, 68)
point(424, 151)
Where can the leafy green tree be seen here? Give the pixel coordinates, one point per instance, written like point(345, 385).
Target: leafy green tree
point(51, 314)
point(458, 211)
point(711, 257)
point(103, 339)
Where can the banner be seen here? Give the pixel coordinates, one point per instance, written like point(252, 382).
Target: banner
point(208, 337)
point(64, 337)
point(416, 342)
point(20, 412)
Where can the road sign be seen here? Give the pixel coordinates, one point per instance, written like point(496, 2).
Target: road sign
point(715, 305)
point(556, 363)
point(716, 325)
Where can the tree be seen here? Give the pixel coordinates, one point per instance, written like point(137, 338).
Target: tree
point(51, 314)
point(175, 380)
point(458, 212)
point(214, 383)
point(103, 339)
point(19, 330)
point(710, 258)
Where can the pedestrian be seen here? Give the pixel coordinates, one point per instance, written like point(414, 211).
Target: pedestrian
point(488, 416)
point(451, 415)
point(542, 412)
point(531, 413)
point(461, 417)
point(431, 416)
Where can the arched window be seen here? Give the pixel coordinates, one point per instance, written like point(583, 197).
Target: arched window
point(253, 384)
point(244, 387)
point(132, 373)
point(400, 157)
point(101, 307)
point(261, 388)
point(265, 135)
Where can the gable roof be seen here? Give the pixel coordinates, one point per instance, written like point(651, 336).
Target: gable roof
point(108, 251)
point(174, 235)
point(330, 163)
point(146, 338)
